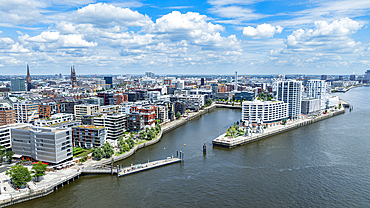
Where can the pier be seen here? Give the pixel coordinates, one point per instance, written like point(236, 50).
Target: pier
point(227, 142)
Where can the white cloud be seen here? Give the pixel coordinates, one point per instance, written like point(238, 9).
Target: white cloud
point(262, 31)
point(325, 36)
point(105, 15)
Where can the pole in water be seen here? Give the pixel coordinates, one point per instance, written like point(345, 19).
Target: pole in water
point(204, 148)
point(177, 154)
point(182, 158)
point(117, 171)
point(180, 155)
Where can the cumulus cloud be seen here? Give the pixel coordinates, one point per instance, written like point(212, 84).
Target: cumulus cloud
point(262, 31)
point(105, 15)
point(325, 35)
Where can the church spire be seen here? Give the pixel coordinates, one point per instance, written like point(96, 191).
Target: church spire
point(28, 78)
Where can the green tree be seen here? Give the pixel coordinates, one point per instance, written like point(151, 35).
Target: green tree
point(108, 150)
point(9, 156)
point(98, 153)
point(2, 153)
point(208, 102)
point(157, 121)
point(150, 135)
point(38, 169)
point(142, 134)
point(130, 142)
point(178, 115)
point(19, 175)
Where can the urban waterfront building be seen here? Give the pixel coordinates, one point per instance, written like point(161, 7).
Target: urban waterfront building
point(45, 144)
point(310, 106)
point(115, 124)
point(89, 136)
point(135, 122)
point(269, 111)
point(5, 134)
point(161, 112)
point(290, 92)
point(317, 89)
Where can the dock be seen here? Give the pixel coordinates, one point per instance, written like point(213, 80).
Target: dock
point(147, 166)
point(228, 142)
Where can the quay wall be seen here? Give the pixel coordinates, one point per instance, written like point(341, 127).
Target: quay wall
point(22, 197)
point(277, 131)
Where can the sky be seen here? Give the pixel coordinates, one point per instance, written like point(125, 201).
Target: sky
point(185, 37)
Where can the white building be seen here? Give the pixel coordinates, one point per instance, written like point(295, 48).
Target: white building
point(290, 91)
point(55, 119)
point(85, 109)
point(317, 89)
point(5, 134)
point(332, 101)
point(45, 144)
point(115, 124)
point(180, 84)
point(269, 111)
point(311, 106)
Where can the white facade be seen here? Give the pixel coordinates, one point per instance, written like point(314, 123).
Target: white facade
point(115, 124)
point(43, 144)
point(180, 84)
point(290, 91)
point(5, 134)
point(55, 119)
point(317, 89)
point(85, 109)
point(311, 106)
point(269, 111)
point(332, 101)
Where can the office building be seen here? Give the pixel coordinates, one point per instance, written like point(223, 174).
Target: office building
point(115, 124)
point(45, 144)
point(109, 81)
point(5, 134)
point(17, 85)
point(25, 112)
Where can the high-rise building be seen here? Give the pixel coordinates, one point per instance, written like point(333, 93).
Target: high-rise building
point(17, 85)
point(115, 124)
point(367, 76)
point(109, 81)
point(202, 81)
point(149, 74)
point(73, 76)
point(317, 89)
point(290, 91)
point(352, 77)
point(236, 81)
point(324, 77)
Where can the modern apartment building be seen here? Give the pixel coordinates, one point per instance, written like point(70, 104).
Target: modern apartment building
point(317, 89)
point(25, 111)
point(45, 144)
point(50, 108)
point(89, 136)
point(115, 124)
point(310, 106)
point(148, 113)
point(6, 115)
point(290, 91)
point(269, 111)
point(161, 112)
point(85, 109)
point(135, 122)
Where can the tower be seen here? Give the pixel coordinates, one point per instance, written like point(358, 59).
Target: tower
point(73, 77)
point(28, 79)
point(236, 81)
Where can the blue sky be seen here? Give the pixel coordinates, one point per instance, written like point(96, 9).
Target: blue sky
point(185, 37)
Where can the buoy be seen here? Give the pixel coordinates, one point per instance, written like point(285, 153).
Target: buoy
point(184, 144)
point(164, 148)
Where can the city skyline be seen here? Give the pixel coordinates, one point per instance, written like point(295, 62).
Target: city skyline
point(191, 37)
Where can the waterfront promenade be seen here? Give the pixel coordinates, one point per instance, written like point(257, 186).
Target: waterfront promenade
point(230, 142)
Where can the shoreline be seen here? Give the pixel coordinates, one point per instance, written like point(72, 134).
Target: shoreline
point(226, 142)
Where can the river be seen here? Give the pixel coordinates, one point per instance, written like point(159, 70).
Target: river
point(325, 164)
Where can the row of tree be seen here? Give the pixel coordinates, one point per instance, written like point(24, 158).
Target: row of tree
point(20, 175)
point(150, 133)
point(106, 151)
